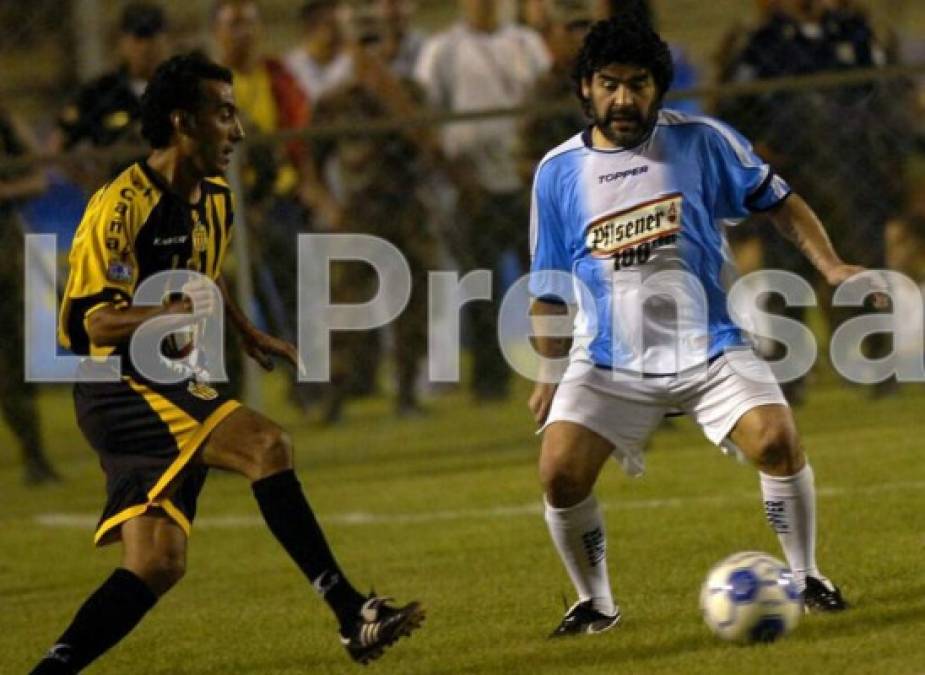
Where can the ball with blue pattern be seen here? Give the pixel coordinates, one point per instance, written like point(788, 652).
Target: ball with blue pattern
point(750, 597)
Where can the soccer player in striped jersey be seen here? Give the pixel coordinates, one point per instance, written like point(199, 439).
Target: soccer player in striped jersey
point(157, 441)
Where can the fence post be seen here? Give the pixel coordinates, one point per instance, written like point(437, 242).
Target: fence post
point(87, 19)
point(244, 285)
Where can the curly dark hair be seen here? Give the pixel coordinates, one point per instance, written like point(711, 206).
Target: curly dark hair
point(629, 39)
point(175, 86)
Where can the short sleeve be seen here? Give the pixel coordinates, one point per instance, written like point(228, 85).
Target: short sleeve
point(103, 266)
point(742, 183)
point(540, 58)
point(548, 249)
point(428, 72)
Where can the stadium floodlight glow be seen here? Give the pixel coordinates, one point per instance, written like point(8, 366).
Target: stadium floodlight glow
point(318, 316)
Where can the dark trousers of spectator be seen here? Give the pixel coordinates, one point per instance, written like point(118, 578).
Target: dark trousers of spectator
point(356, 355)
point(492, 224)
point(17, 397)
point(864, 246)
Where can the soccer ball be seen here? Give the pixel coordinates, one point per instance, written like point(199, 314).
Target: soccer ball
point(750, 597)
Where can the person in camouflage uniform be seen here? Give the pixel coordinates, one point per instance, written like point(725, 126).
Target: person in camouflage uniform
point(372, 191)
point(17, 397)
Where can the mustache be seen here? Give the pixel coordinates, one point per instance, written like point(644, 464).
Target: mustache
point(624, 116)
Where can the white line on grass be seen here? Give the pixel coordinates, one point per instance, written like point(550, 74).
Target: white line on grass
point(86, 520)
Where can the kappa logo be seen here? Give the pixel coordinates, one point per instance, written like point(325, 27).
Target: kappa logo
point(325, 581)
point(61, 652)
point(202, 391)
point(170, 241)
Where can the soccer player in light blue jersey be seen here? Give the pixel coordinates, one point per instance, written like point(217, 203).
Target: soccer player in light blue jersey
point(626, 232)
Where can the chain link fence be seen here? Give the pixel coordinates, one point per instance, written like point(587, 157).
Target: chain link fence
point(374, 161)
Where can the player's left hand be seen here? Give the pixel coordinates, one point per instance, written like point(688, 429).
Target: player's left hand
point(260, 347)
point(839, 274)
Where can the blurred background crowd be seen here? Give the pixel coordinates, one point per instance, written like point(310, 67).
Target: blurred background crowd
point(422, 122)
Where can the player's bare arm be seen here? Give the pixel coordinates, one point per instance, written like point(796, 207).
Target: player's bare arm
point(258, 345)
point(548, 348)
point(110, 327)
point(796, 221)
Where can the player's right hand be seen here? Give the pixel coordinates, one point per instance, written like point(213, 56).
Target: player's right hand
point(541, 401)
point(202, 297)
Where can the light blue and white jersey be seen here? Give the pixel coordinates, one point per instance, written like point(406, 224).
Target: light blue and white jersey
point(640, 232)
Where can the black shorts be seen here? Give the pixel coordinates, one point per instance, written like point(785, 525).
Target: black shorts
point(146, 435)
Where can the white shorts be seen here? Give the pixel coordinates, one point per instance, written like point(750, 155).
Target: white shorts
point(625, 409)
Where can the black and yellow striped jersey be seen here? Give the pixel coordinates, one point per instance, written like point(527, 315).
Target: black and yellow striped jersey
point(133, 227)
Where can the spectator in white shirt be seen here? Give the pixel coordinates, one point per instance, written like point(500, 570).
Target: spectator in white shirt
point(321, 63)
point(480, 64)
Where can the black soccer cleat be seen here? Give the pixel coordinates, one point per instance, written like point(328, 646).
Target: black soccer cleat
point(582, 619)
point(379, 625)
point(818, 597)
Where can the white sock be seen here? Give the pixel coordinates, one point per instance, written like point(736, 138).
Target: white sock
point(578, 533)
point(790, 506)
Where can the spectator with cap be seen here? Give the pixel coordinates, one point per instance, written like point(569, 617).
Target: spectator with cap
point(321, 62)
point(106, 110)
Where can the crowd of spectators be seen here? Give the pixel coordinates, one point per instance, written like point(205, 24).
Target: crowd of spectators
point(457, 195)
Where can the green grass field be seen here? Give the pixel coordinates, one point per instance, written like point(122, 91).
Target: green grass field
point(447, 509)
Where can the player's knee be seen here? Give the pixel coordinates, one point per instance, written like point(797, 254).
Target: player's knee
point(778, 450)
point(273, 453)
point(161, 570)
point(563, 485)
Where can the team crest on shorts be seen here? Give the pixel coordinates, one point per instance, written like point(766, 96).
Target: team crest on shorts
point(637, 229)
point(202, 391)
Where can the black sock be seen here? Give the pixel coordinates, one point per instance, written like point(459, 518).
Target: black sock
point(291, 520)
point(106, 617)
